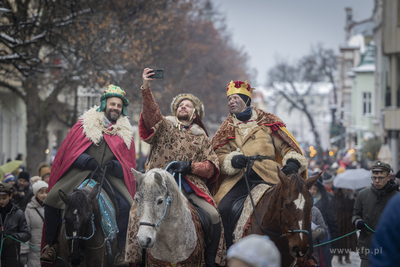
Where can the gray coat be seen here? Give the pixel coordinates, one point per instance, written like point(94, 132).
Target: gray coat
point(318, 219)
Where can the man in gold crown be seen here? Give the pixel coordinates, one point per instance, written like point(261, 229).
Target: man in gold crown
point(249, 131)
point(181, 137)
point(101, 140)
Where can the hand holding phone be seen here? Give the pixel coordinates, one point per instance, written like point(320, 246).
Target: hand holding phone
point(158, 74)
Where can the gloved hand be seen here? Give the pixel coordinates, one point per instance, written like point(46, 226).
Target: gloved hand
point(114, 168)
point(91, 164)
point(292, 166)
point(183, 167)
point(24, 258)
point(360, 224)
point(316, 233)
point(239, 161)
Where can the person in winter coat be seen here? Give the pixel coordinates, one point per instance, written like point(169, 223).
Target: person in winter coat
point(369, 206)
point(13, 227)
point(34, 214)
point(385, 248)
point(249, 131)
point(319, 232)
point(23, 193)
point(344, 203)
point(323, 200)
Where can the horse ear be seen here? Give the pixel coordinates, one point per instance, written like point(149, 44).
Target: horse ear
point(311, 180)
point(138, 175)
point(94, 192)
point(64, 197)
point(158, 178)
point(283, 177)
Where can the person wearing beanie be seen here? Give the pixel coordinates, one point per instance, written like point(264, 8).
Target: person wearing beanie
point(34, 214)
point(13, 226)
point(369, 205)
point(100, 143)
point(23, 192)
point(185, 139)
point(249, 131)
point(9, 178)
point(254, 251)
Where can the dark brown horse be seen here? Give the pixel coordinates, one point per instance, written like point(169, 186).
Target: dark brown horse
point(284, 213)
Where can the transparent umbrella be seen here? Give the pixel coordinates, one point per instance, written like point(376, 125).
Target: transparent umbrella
point(9, 167)
point(353, 179)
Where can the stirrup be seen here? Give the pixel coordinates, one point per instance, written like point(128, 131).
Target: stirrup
point(42, 253)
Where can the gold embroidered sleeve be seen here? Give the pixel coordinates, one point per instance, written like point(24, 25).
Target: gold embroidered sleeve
point(204, 169)
point(151, 113)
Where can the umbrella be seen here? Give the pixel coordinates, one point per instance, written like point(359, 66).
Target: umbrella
point(9, 167)
point(353, 179)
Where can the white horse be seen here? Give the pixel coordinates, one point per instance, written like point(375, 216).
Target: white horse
point(166, 227)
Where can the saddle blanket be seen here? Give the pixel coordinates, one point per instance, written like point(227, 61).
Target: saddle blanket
point(107, 210)
point(244, 219)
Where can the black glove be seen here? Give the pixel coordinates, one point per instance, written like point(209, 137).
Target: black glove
point(85, 162)
point(292, 166)
point(239, 161)
point(114, 168)
point(183, 167)
point(360, 224)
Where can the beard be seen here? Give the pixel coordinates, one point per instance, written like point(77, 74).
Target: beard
point(183, 117)
point(112, 116)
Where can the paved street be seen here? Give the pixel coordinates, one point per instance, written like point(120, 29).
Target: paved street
point(355, 261)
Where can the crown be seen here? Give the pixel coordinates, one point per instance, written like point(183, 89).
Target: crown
point(239, 87)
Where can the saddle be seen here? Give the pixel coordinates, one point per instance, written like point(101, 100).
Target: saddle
point(205, 221)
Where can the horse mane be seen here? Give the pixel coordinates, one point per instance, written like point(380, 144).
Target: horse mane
point(172, 186)
point(78, 197)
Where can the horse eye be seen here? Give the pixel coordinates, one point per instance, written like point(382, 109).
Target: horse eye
point(160, 201)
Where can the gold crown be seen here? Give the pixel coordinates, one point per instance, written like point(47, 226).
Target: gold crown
point(239, 87)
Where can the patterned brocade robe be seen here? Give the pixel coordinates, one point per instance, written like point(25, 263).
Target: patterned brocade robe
point(171, 143)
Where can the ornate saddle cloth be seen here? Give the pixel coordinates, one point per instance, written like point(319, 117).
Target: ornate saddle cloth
point(107, 210)
point(244, 219)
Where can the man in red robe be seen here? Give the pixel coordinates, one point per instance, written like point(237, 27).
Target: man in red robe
point(101, 139)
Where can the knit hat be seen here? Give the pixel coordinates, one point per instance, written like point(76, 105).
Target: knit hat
point(113, 91)
point(327, 178)
point(39, 185)
point(8, 177)
point(24, 175)
point(256, 250)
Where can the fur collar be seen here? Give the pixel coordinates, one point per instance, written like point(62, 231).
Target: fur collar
point(195, 129)
point(92, 121)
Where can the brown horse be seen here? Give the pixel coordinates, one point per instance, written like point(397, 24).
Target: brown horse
point(284, 213)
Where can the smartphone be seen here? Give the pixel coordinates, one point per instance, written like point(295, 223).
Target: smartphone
point(158, 74)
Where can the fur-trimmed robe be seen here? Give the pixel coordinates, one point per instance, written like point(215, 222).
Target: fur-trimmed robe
point(170, 143)
point(264, 134)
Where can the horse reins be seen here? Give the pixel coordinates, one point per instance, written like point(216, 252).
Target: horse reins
point(251, 161)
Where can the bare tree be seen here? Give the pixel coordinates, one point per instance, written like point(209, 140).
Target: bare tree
point(48, 48)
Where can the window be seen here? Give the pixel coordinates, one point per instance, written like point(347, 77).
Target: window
point(366, 103)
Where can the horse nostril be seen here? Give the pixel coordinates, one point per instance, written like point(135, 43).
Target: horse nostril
point(295, 250)
point(148, 241)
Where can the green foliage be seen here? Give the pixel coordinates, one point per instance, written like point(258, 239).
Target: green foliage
point(371, 148)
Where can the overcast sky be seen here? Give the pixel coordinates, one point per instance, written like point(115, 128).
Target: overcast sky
point(286, 29)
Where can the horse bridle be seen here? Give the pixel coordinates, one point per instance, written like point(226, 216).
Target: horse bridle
point(251, 160)
point(82, 237)
point(167, 202)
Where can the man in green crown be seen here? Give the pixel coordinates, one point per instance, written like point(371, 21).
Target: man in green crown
point(101, 139)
